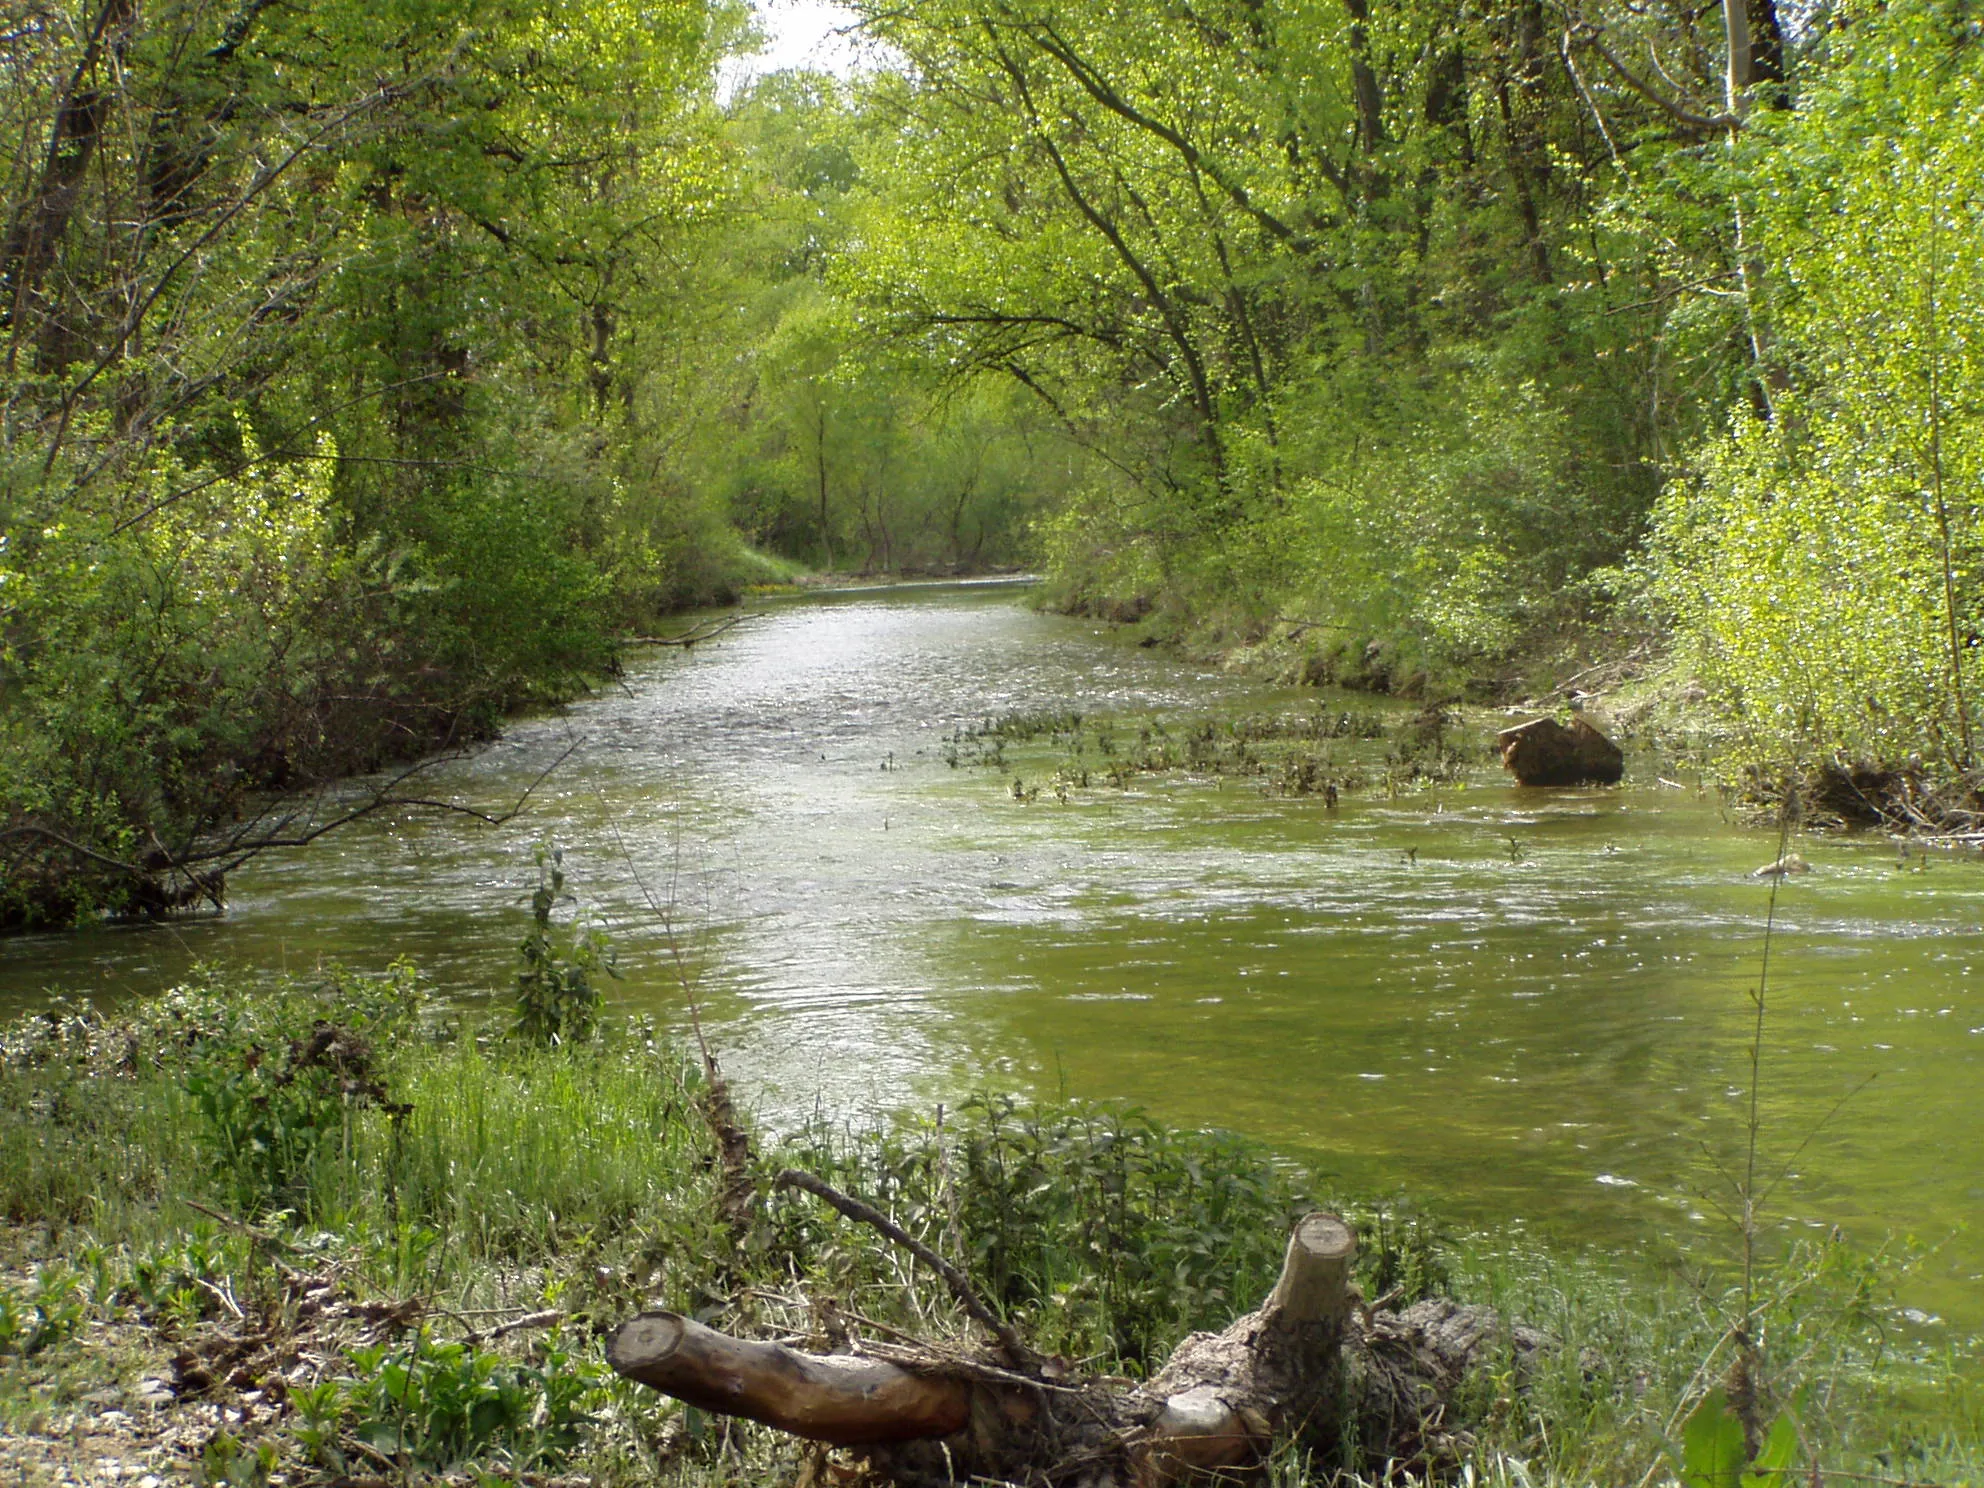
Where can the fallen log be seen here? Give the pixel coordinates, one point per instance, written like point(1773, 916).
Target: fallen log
point(1311, 1364)
point(833, 1398)
point(1546, 752)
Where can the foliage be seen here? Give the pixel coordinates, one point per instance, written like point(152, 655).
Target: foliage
point(366, 374)
point(269, 1118)
point(261, 1088)
point(1335, 317)
point(1101, 1231)
point(824, 441)
point(581, 1179)
point(1824, 567)
point(49, 1307)
point(323, 405)
point(226, 1461)
point(431, 1405)
point(557, 1001)
point(1714, 1453)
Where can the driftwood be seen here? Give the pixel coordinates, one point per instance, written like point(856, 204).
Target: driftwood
point(1310, 1365)
point(1545, 752)
point(694, 636)
point(834, 1398)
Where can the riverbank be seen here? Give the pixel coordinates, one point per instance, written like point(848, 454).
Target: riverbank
point(1526, 1003)
point(307, 754)
point(243, 1249)
point(1641, 684)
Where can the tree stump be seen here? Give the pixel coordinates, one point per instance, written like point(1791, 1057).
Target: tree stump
point(1545, 752)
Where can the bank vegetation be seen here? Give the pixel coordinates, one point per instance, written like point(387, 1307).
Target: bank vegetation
point(328, 1231)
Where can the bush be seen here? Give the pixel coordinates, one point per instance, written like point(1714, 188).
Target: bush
point(557, 998)
point(1826, 570)
point(1102, 1232)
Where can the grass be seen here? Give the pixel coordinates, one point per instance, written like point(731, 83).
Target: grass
point(399, 1241)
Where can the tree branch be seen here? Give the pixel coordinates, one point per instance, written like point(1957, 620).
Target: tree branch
point(1017, 1353)
point(1588, 35)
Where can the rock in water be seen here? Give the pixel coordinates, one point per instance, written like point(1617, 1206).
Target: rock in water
point(1545, 752)
point(1784, 867)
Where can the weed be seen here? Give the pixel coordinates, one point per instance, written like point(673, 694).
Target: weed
point(1715, 1454)
point(268, 1119)
point(51, 1307)
point(557, 992)
point(226, 1461)
point(429, 1405)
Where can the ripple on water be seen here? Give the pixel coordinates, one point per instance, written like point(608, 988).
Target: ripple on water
point(1487, 1032)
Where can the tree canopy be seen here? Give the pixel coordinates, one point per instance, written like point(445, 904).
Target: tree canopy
point(370, 369)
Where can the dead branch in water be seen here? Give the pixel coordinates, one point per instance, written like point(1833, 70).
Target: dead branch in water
point(694, 636)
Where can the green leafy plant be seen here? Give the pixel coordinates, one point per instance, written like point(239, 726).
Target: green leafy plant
point(435, 1405)
point(276, 1082)
point(1715, 1451)
point(270, 1117)
point(1104, 1230)
point(50, 1307)
point(557, 998)
point(178, 1283)
point(226, 1461)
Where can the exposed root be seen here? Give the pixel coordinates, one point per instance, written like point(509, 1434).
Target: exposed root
point(1909, 799)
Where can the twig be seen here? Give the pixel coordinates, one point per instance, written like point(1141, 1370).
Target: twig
point(1017, 1353)
point(1370, 1310)
point(1638, 653)
point(1302, 625)
point(880, 1327)
point(550, 1317)
point(1591, 36)
point(921, 1356)
point(225, 1296)
point(237, 849)
point(690, 637)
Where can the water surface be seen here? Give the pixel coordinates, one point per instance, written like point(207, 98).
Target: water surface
point(1505, 1003)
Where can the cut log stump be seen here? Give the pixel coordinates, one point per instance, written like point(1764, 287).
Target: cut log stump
point(1310, 1364)
point(1546, 752)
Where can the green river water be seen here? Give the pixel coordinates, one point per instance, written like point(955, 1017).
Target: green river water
point(1510, 1005)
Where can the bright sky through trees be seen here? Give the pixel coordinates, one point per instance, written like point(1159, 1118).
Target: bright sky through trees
point(798, 33)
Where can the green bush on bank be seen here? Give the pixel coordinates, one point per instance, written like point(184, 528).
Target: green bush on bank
point(459, 1176)
point(1823, 568)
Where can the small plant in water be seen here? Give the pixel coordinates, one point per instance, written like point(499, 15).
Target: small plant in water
point(557, 994)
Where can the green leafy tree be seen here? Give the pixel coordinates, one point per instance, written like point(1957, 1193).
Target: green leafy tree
point(1825, 567)
point(328, 339)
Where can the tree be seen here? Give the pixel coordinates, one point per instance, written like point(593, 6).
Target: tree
point(1824, 567)
point(315, 346)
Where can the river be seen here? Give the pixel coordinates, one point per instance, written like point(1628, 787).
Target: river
point(1502, 1003)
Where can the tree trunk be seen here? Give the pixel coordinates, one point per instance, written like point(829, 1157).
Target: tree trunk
point(1545, 752)
point(42, 220)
